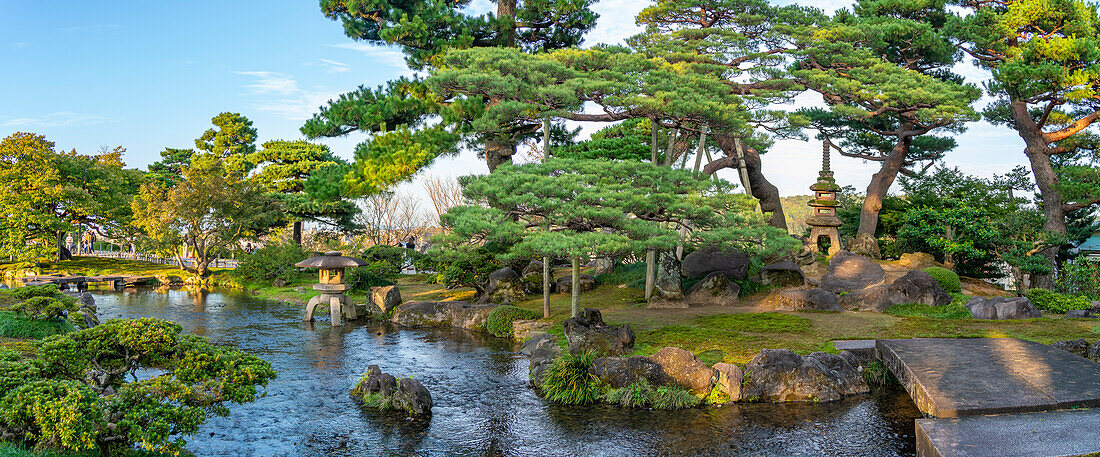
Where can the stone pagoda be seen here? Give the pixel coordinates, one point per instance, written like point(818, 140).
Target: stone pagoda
point(330, 284)
point(823, 221)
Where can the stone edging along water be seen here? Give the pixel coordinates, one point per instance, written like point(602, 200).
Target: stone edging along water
point(773, 375)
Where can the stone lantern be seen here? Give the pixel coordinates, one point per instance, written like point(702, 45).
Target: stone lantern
point(331, 285)
point(823, 221)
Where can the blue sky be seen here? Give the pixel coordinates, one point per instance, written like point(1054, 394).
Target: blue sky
point(150, 74)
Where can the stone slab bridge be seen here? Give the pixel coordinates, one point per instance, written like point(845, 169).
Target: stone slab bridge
point(994, 396)
point(81, 282)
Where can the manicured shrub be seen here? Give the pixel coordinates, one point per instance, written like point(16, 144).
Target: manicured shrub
point(29, 292)
point(947, 278)
point(274, 261)
point(567, 380)
point(376, 274)
point(79, 392)
point(499, 321)
point(1056, 302)
point(45, 308)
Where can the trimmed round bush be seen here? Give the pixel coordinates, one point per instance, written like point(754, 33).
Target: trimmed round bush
point(947, 278)
point(1056, 302)
point(499, 321)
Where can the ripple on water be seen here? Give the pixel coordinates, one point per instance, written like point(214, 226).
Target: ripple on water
point(482, 403)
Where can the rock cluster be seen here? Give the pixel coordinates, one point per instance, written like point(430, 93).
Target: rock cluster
point(783, 274)
point(780, 375)
point(384, 391)
point(442, 314)
point(855, 282)
point(88, 310)
point(1081, 347)
point(714, 290)
point(588, 332)
point(1002, 308)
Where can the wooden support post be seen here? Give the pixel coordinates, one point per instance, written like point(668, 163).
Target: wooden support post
point(576, 289)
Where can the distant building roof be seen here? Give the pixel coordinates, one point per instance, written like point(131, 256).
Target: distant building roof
point(1091, 244)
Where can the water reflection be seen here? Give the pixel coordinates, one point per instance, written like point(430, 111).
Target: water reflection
point(482, 404)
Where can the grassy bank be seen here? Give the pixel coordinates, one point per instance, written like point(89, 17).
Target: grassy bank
point(14, 450)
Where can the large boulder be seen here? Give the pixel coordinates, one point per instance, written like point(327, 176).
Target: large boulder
point(588, 332)
point(385, 298)
point(1002, 308)
point(504, 287)
point(914, 287)
point(806, 299)
point(1079, 314)
point(386, 392)
point(780, 375)
point(848, 272)
point(865, 245)
point(783, 274)
point(542, 348)
point(442, 314)
point(523, 329)
point(918, 261)
point(620, 372)
point(732, 263)
point(602, 265)
point(531, 278)
point(688, 371)
point(714, 290)
point(667, 282)
point(564, 284)
point(729, 380)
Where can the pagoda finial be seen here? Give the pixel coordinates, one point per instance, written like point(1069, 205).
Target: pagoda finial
point(825, 150)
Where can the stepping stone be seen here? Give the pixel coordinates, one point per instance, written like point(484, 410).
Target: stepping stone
point(1061, 433)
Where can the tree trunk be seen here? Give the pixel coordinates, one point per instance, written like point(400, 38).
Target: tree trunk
point(1038, 153)
point(546, 286)
point(60, 245)
point(507, 8)
point(497, 152)
point(297, 231)
point(650, 272)
point(759, 186)
point(576, 288)
point(880, 184)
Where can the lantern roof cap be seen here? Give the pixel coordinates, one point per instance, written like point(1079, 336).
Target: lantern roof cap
point(331, 259)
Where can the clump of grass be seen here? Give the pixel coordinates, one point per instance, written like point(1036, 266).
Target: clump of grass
point(567, 380)
point(716, 397)
point(641, 394)
point(876, 374)
point(951, 311)
point(756, 322)
point(14, 325)
point(499, 321)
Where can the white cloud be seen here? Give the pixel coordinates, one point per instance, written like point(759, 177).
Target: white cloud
point(58, 119)
point(334, 66)
point(280, 94)
point(19, 44)
point(271, 82)
point(380, 55)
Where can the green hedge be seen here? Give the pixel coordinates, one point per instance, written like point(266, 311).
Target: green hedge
point(499, 321)
point(1056, 302)
point(947, 278)
point(274, 261)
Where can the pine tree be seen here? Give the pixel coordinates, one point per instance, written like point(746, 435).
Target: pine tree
point(308, 180)
point(1044, 58)
point(884, 71)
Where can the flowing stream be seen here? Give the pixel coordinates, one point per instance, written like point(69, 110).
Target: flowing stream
point(482, 404)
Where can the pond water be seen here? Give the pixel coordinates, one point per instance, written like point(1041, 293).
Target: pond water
point(482, 404)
